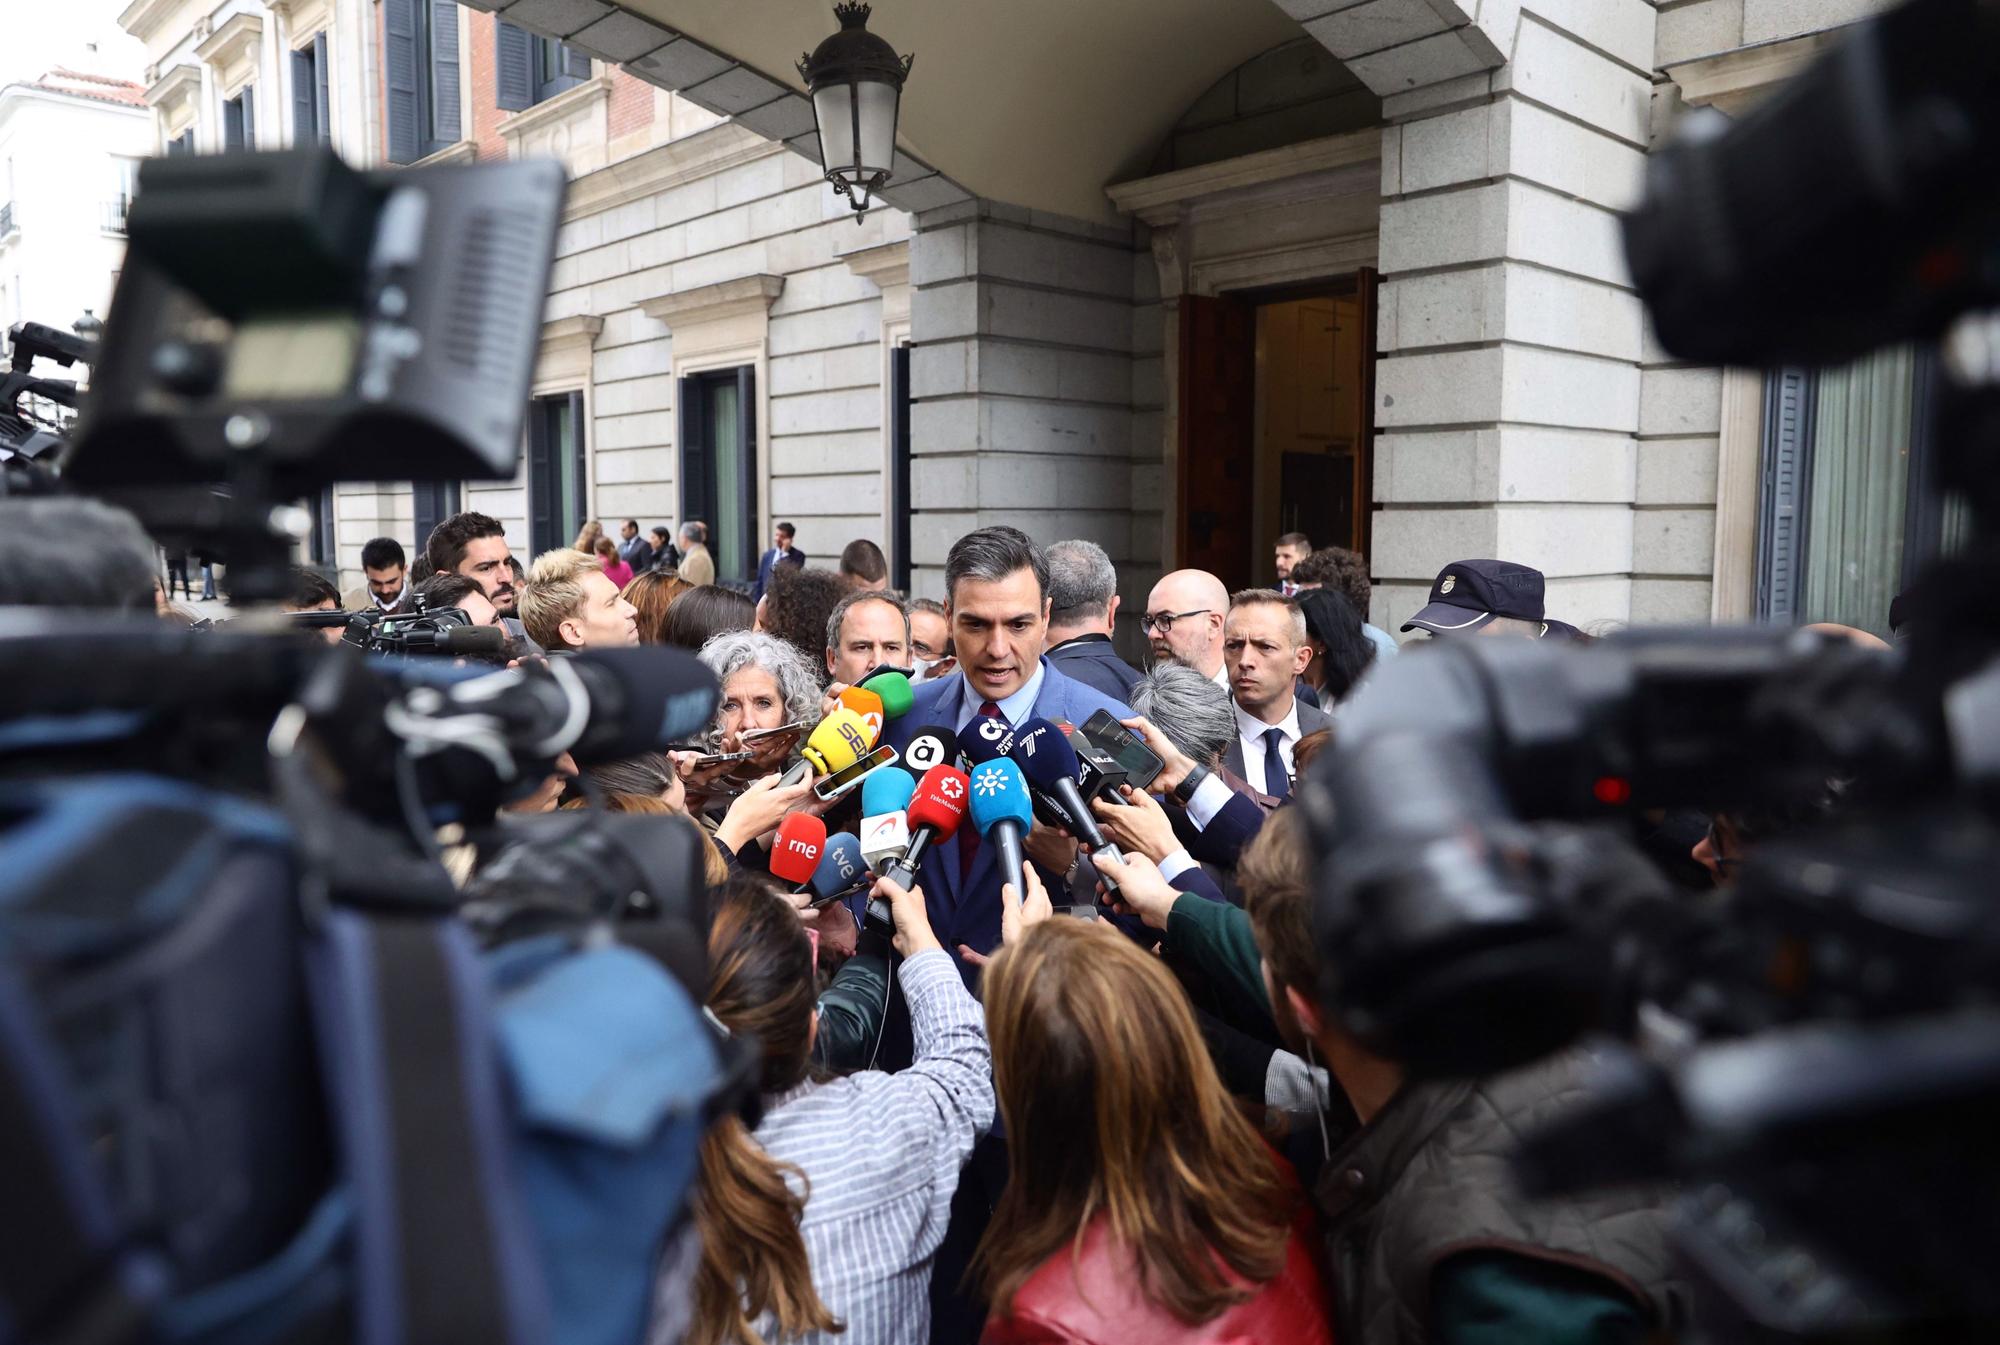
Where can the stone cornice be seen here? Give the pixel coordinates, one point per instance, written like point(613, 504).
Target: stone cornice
point(886, 264)
point(581, 329)
point(1733, 80)
point(1161, 199)
point(461, 151)
point(668, 165)
point(178, 82)
point(709, 303)
point(142, 18)
point(224, 44)
point(563, 105)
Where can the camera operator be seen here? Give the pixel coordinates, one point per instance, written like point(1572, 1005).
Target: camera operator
point(389, 588)
point(879, 1154)
point(57, 552)
point(310, 592)
point(1428, 1238)
point(569, 603)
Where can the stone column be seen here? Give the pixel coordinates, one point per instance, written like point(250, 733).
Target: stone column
point(1023, 379)
point(1508, 395)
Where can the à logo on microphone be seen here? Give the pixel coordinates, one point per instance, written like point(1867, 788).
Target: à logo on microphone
point(925, 752)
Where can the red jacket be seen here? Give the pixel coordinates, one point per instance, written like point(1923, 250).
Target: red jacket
point(1100, 1304)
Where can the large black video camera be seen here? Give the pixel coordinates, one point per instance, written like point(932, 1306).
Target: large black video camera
point(1817, 1050)
point(260, 1076)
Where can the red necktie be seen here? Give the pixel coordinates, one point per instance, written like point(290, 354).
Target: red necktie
point(968, 837)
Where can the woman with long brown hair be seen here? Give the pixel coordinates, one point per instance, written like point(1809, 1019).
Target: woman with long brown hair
point(869, 1162)
point(651, 593)
point(1141, 1205)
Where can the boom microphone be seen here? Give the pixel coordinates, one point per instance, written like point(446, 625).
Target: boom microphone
point(796, 851)
point(1002, 812)
point(599, 705)
point(936, 809)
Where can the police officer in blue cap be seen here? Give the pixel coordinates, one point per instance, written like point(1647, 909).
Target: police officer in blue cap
point(1489, 597)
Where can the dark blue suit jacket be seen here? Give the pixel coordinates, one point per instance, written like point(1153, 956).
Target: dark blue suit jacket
point(770, 559)
point(1228, 831)
point(1091, 660)
point(969, 912)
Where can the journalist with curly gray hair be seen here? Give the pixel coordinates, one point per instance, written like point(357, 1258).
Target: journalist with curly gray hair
point(766, 683)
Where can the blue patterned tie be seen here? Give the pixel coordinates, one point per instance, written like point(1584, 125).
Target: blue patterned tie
point(1276, 783)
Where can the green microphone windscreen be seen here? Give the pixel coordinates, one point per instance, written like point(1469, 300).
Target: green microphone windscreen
point(894, 689)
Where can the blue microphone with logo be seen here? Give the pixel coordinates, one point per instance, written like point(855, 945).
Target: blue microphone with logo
point(841, 869)
point(986, 737)
point(885, 821)
point(1002, 812)
point(1046, 758)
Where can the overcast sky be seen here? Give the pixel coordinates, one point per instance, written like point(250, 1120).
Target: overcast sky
point(44, 33)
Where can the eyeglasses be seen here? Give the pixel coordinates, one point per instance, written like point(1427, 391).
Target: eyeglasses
point(1163, 622)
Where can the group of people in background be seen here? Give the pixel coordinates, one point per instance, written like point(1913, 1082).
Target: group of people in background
point(1109, 1096)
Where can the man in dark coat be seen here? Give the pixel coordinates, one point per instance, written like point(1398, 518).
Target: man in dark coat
point(1083, 612)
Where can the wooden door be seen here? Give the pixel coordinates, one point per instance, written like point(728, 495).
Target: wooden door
point(1217, 449)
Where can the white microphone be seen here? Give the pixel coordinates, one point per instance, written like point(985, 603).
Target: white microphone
point(884, 837)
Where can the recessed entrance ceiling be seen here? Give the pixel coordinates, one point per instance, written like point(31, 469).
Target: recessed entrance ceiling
point(1038, 103)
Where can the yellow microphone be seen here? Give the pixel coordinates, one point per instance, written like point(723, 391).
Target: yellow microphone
point(841, 739)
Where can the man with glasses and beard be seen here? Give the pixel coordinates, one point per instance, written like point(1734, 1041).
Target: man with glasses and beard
point(1183, 622)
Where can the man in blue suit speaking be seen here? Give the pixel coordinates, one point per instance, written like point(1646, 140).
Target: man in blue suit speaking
point(997, 599)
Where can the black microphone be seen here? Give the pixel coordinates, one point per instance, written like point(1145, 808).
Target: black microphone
point(598, 705)
point(1046, 758)
point(931, 745)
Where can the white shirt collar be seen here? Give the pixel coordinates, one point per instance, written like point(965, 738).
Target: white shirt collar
point(1252, 729)
point(1221, 677)
point(385, 606)
point(1014, 709)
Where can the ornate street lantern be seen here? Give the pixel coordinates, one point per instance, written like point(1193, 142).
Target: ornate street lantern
point(856, 82)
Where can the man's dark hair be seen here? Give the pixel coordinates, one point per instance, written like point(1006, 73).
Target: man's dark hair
point(449, 539)
point(1336, 567)
point(308, 589)
point(797, 604)
point(1345, 650)
point(57, 552)
point(862, 559)
point(447, 590)
point(838, 617)
point(991, 554)
point(379, 553)
point(788, 530)
point(632, 523)
point(1298, 541)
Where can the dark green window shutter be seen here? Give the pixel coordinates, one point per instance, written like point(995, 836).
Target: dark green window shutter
point(304, 81)
point(322, 99)
point(1787, 479)
point(444, 72)
point(399, 68)
point(514, 76)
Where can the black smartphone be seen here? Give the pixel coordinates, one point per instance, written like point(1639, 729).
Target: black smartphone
point(1125, 747)
point(749, 736)
point(831, 787)
point(708, 759)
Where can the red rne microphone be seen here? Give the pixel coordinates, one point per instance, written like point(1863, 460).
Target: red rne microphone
point(935, 811)
point(795, 853)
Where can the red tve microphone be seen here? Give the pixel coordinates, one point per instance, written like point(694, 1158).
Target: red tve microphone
point(935, 811)
point(795, 853)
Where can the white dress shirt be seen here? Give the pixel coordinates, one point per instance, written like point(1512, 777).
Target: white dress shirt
point(1014, 709)
point(1250, 732)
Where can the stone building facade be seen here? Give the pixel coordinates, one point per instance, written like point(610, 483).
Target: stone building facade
point(1349, 266)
